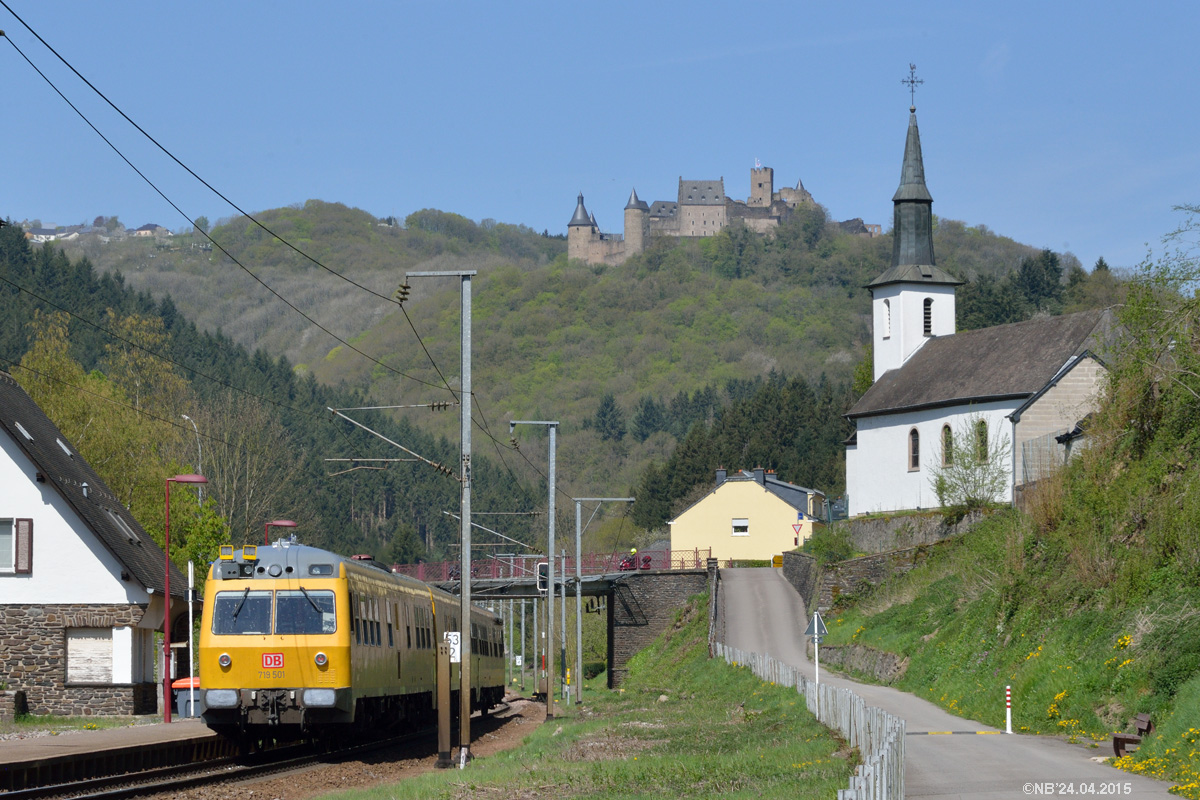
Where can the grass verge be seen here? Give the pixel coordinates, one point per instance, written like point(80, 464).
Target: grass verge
point(682, 726)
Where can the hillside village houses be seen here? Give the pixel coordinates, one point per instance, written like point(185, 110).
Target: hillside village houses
point(700, 209)
point(81, 583)
point(749, 515)
point(1024, 386)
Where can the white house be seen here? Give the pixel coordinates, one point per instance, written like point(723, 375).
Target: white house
point(1026, 382)
point(81, 583)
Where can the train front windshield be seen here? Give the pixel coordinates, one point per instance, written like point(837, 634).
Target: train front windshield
point(245, 611)
point(304, 611)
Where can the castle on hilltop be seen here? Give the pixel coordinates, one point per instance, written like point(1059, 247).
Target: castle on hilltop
point(701, 209)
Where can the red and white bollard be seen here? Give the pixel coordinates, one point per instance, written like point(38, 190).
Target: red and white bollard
point(1008, 709)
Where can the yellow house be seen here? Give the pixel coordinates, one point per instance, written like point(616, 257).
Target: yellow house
point(749, 515)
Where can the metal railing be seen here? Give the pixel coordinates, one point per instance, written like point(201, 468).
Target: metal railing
point(525, 566)
point(878, 735)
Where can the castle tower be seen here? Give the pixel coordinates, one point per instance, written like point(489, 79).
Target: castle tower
point(580, 232)
point(637, 225)
point(913, 300)
point(762, 186)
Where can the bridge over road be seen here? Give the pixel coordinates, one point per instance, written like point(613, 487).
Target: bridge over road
point(762, 613)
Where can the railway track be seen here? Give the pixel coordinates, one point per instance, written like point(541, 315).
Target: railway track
point(170, 780)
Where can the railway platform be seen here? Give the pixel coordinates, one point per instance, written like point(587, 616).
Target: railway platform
point(48, 760)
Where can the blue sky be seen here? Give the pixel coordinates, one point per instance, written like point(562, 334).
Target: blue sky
point(1066, 125)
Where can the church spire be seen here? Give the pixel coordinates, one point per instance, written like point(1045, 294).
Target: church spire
point(912, 206)
point(581, 215)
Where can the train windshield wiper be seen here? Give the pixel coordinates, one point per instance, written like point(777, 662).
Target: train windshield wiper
point(311, 602)
point(238, 610)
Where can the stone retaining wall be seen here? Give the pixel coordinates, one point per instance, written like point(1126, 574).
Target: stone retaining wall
point(33, 649)
point(846, 577)
point(881, 665)
point(883, 534)
point(642, 607)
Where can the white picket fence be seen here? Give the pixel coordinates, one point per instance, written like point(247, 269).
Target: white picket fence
point(878, 735)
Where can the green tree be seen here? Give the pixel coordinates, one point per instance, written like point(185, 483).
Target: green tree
point(201, 224)
point(972, 472)
point(609, 421)
point(648, 418)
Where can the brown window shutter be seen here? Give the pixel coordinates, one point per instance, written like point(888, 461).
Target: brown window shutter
point(24, 559)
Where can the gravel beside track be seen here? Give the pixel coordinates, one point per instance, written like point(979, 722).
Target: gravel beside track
point(502, 731)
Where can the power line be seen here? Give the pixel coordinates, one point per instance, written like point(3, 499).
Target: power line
point(181, 212)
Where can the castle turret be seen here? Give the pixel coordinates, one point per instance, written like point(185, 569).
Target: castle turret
point(580, 232)
point(637, 225)
point(913, 300)
point(762, 186)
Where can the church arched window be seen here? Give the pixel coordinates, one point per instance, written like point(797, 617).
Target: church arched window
point(887, 319)
point(947, 446)
point(929, 316)
point(981, 440)
point(914, 450)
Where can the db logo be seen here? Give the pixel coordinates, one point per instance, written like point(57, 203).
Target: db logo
point(272, 660)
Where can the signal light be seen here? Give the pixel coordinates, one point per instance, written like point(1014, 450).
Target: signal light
point(543, 576)
point(224, 660)
point(321, 659)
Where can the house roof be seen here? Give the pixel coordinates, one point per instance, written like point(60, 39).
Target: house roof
point(1001, 362)
point(702, 193)
point(636, 202)
point(580, 217)
point(66, 470)
point(795, 496)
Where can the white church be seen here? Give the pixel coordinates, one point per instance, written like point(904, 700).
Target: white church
point(1030, 383)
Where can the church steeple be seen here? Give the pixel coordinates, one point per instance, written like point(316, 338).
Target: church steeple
point(913, 300)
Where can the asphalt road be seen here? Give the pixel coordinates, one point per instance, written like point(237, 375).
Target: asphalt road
point(764, 614)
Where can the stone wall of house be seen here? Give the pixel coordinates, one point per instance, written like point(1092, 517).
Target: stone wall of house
point(642, 606)
point(33, 655)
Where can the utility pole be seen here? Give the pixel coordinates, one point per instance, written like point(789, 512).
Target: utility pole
point(464, 691)
point(579, 501)
point(553, 426)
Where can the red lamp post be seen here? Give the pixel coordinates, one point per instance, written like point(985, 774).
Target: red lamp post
point(279, 523)
point(167, 594)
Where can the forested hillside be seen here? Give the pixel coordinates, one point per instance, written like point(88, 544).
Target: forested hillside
point(117, 371)
point(627, 358)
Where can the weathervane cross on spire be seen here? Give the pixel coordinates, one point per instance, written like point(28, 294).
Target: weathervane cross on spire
point(912, 81)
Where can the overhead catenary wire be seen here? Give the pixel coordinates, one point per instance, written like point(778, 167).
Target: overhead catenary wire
point(183, 214)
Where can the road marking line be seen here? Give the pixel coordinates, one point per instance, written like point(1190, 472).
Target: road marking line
point(953, 733)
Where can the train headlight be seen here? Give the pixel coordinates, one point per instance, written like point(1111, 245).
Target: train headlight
point(221, 698)
point(225, 660)
point(321, 659)
point(316, 698)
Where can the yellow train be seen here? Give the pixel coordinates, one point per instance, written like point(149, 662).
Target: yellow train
point(297, 642)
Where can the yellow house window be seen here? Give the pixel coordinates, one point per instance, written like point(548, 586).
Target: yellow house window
point(741, 527)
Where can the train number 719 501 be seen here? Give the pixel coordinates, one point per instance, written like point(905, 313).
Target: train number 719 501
point(270, 673)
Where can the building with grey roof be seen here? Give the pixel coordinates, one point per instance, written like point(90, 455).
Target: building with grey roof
point(81, 583)
point(1016, 387)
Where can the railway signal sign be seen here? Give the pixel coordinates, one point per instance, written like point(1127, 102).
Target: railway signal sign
point(454, 639)
point(543, 576)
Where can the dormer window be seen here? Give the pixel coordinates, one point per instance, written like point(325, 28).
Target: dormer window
point(24, 432)
point(62, 445)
